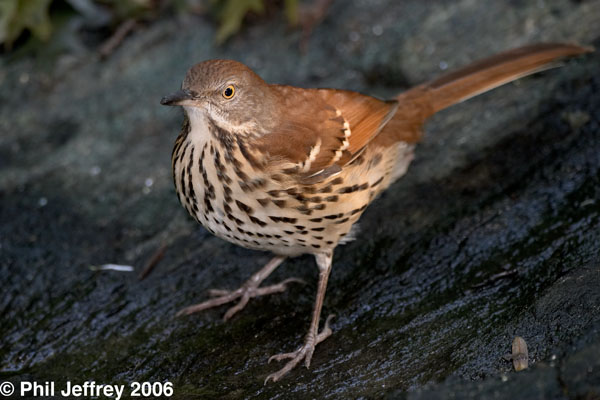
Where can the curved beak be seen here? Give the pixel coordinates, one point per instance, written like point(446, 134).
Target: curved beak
point(179, 98)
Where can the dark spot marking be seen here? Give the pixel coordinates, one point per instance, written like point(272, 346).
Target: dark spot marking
point(191, 192)
point(241, 174)
point(243, 207)
point(244, 186)
point(331, 198)
point(263, 202)
point(316, 246)
point(326, 189)
point(227, 191)
point(316, 219)
point(279, 203)
point(187, 143)
point(337, 181)
point(377, 182)
point(375, 161)
point(329, 242)
point(342, 221)
point(318, 237)
point(334, 216)
point(288, 232)
point(210, 192)
point(353, 188)
point(300, 198)
point(319, 229)
point(207, 204)
point(246, 154)
point(258, 221)
point(359, 160)
point(304, 210)
point(300, 227)
point(234, 219)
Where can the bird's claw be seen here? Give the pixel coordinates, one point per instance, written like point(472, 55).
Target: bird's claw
point(305, 352)
point(244, 293)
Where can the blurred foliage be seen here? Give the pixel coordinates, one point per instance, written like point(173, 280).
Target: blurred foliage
point(231, 14)
point(137, 9)
point(18, 15)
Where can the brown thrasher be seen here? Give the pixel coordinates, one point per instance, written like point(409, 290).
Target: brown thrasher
point(291, 170)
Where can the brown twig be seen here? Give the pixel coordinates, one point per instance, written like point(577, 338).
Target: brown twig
point(311, 16)
point(155, 259)
point(117, 38)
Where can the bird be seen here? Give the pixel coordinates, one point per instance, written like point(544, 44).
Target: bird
point(290, 170)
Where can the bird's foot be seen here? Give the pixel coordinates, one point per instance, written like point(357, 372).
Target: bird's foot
point(305, 352)
point(248, 290)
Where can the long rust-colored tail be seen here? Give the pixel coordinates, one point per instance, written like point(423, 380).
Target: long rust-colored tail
point(495, 71)
point(421, 102)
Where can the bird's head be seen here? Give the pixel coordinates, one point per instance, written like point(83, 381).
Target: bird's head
point(227, 92)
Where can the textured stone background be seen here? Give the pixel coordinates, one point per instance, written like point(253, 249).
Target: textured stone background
point(509, 181)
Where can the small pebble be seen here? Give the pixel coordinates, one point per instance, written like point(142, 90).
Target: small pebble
point(112, 267)
point(576, 119)
point(587, 202)
point(520, 355)
point(443, 65)
point(42, 202)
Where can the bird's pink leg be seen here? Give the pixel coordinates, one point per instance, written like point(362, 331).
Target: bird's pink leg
point(313, 337)
point(249, 289)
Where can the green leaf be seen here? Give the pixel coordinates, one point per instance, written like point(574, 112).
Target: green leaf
point(18, 15)
point(232, 14)
point(291, 11)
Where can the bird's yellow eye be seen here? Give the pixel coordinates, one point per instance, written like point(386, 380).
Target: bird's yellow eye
point(228, 92)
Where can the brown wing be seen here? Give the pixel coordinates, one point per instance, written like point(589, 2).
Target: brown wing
point(323, 129)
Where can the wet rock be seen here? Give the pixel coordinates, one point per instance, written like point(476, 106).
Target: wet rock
point(493, 233)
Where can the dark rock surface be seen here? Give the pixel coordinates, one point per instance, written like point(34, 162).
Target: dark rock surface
point(505, 183)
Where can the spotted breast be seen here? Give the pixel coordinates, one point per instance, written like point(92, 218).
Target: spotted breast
point(222, 183)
